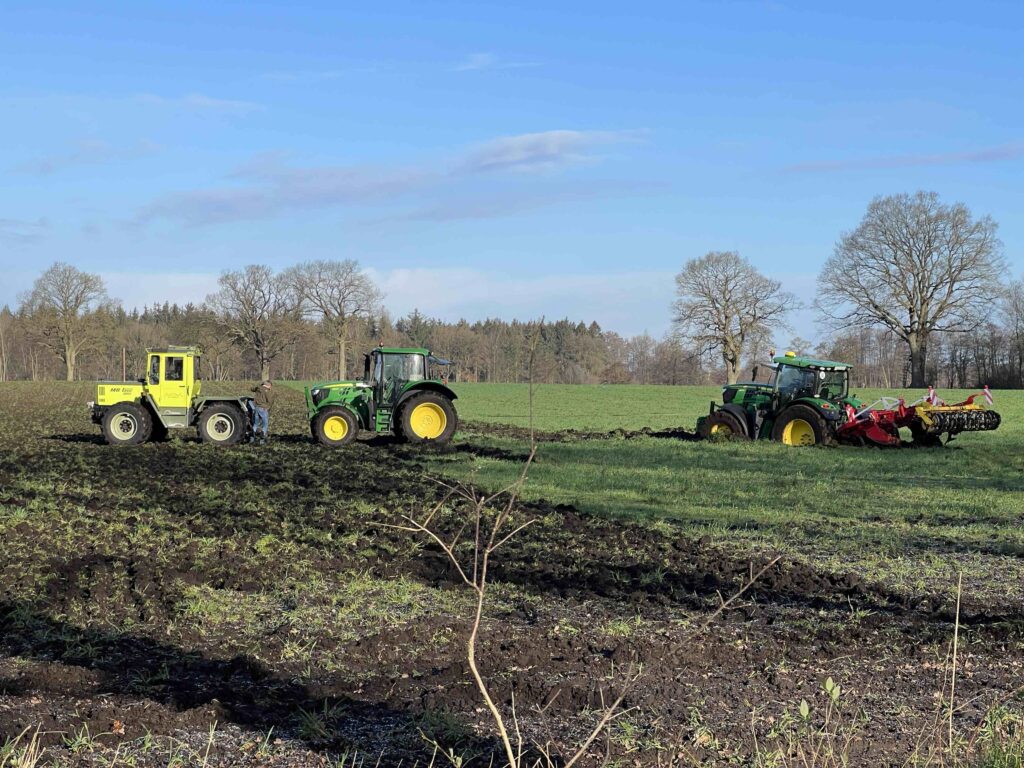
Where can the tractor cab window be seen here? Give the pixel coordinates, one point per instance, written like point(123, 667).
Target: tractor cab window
point(403, 367)
point(378, 369)
point(174, 369)
point(833, 386)
point(154, 369)
point(793, 382)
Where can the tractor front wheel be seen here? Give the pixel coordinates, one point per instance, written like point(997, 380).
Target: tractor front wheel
point(222, 424)
point(801, 425)
point(722, 425)
point(428, 418)
point(335, 426)
point(127, 424)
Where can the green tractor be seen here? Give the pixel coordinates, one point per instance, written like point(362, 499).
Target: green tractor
point(803, 403)
point(404, 391)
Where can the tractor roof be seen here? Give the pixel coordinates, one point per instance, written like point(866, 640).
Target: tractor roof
point(404, 350)
point(171, 349)
point(810, 362)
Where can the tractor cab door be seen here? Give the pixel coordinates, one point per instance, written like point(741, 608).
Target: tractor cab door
point(792, 382)
point(169, 388)
point(397, 370)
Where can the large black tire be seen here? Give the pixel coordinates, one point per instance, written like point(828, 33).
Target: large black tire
point(222, 424)
point(127, 424)
point(428, 417)
point(802, 425)
point(335, 426)
point(723, 425)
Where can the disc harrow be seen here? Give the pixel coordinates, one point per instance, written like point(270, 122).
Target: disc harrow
point(927, 419)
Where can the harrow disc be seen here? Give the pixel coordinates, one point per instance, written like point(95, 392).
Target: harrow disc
point(956, 421)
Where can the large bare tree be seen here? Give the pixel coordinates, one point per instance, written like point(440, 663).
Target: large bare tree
point(916, 266)
point(336, 293)
point(260, 311)
point(724, 302)
point(64, 311)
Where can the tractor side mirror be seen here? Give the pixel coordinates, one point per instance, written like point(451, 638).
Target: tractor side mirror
point(753, 373)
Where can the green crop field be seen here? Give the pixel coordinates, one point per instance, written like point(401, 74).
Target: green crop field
point(910, 517)
point(181, 604)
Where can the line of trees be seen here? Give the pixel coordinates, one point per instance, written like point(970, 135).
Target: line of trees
point(311, 321)
point(917, 294)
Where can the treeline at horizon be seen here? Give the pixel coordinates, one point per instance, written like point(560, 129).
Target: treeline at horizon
point(491, 350)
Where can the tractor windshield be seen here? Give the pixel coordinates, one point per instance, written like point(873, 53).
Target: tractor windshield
point(793, 382)
point(403, 367)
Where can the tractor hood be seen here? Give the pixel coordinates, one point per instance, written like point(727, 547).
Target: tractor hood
point(338, 385)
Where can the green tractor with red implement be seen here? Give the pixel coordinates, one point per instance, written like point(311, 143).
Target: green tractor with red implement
point(807, 402)
point(404, 391)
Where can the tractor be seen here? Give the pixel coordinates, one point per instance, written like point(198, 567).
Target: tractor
point(808, 402)
point(802, 404)
point(404, 391)
point(168, 397)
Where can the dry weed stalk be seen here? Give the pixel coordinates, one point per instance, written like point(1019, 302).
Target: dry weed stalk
point(489, 535)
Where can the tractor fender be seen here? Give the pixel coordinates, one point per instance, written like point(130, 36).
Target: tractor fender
point(146, 401)
point(742, 415)
point(829, 412)
point(425, 386)
point(202, 403)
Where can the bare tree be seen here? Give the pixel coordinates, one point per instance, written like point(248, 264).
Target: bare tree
point(337, 292)
point(260, 311)
point(915, 266)
point(723, 301)
point(6, 321)
point(63, 306)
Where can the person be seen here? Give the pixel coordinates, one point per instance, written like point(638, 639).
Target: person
point(262, 402)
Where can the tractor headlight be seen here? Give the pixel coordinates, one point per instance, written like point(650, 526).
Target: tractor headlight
point(317, 395)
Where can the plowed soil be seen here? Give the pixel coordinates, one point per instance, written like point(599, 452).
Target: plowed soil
point(150, 595)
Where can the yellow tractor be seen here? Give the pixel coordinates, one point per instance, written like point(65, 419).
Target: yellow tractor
point(168, 397)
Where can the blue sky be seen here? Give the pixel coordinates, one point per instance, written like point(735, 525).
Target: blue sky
point(493, 159)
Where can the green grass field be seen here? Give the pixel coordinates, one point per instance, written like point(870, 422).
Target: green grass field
point(911, 518)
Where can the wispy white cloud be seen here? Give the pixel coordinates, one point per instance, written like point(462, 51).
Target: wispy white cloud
point(22, 231)
point(485, 60)
point(269, 186)
point(86, 152)
point(198, 102)
point(539, 151)
point(986, 155)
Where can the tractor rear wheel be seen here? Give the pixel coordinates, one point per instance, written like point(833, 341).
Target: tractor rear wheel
point(335, 426)
point(801, 425)
point(127, 424)
point(722, 425)
point(428, 418)
point(222, 424)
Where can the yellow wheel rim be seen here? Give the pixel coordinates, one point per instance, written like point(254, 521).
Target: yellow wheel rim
point(798, 432)
point(721, 430)
point(335, 428)
point(428, 421)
